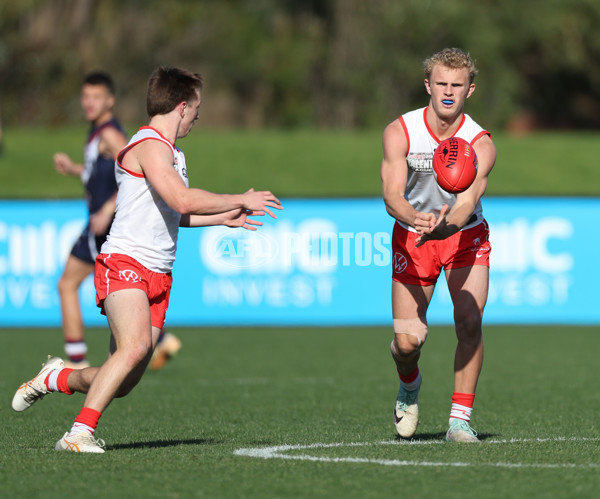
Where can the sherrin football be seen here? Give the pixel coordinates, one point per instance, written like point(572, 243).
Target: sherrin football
point(454, 165)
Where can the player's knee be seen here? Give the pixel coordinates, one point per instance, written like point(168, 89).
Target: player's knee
point(468, 326)
point(63, 286)
point(137, 352)
point(409, 336)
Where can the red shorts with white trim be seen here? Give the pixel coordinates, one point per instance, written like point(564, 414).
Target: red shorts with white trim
point(115, 272)
point(422, 266)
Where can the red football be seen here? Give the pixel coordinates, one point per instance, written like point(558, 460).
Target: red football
point(454, 165)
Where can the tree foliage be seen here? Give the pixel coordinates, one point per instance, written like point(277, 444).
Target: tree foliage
point(290, 63)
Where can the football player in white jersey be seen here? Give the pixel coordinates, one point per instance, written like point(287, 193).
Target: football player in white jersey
point(105, 139)
point(436, 231)
point(133, 272)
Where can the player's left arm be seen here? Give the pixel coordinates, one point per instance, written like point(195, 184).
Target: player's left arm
point(101, 220)
point(466, 201)
point(233, 218)
point(450, 222)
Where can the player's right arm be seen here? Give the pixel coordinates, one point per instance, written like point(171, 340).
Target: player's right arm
point(65, 165)
point(394, 171)
point(155, 160)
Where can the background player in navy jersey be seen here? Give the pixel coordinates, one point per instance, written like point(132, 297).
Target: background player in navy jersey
point(435, 230)
point(106, 138)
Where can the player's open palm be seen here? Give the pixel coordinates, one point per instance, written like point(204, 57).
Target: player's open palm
point(240, 218)
point(257, 201)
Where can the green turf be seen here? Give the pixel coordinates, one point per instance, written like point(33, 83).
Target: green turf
point(306, 163)
point(175, 435)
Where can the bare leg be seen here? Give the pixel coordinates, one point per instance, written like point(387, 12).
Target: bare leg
point(74, 273)
point(468, 288)
point(408, 303)
point(128, 315)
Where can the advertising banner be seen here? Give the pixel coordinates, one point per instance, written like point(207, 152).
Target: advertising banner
point(322, 262)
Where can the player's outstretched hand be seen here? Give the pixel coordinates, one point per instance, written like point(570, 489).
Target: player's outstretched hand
point(257, 201)
point(240, 218)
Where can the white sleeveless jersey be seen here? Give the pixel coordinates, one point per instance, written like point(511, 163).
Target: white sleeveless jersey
point(145, 227)
point(422, 190)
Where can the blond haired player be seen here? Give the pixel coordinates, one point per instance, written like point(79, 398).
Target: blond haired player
point(133, 271)
point(436, 231)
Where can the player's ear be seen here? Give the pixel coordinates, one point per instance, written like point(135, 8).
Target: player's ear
point(471, 90)
point(427, 86)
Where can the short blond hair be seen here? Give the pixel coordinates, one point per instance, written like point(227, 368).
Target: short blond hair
point(451, 58)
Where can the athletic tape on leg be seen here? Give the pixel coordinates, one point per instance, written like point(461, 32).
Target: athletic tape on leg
point(415, 327)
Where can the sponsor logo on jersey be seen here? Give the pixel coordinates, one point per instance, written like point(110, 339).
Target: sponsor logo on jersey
point(420, 162)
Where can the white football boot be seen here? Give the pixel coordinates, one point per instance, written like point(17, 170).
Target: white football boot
point(35, 389)
point(406, 412)
point(460, 431)
point(80, 441)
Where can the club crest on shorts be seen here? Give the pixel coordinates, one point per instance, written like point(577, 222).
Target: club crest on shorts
point(400, 262)
point(129, 276)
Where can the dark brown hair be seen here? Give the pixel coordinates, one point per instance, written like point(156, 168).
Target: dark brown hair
point(100, 78)
point(167, 87)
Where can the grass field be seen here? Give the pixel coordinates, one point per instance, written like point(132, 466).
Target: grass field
point(306, 163)
point(214, 421)
point(186, 431)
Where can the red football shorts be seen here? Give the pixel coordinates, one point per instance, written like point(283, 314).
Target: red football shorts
point(115, 272)
point(422, 266)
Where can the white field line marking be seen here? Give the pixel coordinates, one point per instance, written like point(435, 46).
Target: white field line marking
point(279, 452)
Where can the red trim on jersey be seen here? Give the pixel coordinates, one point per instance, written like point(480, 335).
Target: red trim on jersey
point(479, 135)
point(133, 174)
point(128, 147)
point(155, 130)
point(401, 120)
point(431, 131)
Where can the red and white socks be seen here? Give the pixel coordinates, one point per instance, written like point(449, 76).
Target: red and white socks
point(462, 406)
point(86, 420)
point(412, 381)
point(57, 381)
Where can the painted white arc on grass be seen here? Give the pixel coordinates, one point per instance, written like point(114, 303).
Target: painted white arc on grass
point(281, 452)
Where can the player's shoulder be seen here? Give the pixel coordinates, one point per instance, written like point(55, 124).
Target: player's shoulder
point(394, 128)
point(395, 141)
point(112, 131)
point(394, 132)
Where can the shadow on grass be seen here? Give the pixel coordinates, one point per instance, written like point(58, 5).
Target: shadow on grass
point(155, 444)
point(426, 437)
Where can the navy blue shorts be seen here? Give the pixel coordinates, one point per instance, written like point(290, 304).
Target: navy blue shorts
point(88, 246)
